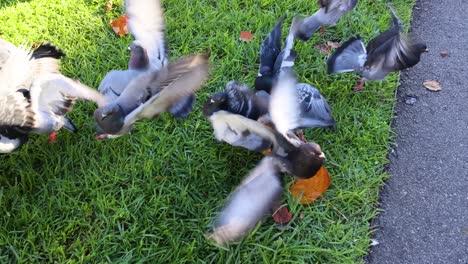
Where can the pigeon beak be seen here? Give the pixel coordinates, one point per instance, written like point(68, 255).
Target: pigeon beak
point(129, 48)
point(322, 155)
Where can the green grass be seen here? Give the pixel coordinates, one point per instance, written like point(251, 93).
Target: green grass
point(152, 195)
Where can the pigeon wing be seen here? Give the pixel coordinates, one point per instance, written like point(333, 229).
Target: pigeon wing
point(180, 79)
point(251, 200)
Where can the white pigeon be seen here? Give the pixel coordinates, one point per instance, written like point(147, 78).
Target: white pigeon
point(34, 96)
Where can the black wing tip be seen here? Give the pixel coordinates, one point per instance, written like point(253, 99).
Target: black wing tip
point(70, 126)
point(47, 50)
point(331, 60)
point(182, 108)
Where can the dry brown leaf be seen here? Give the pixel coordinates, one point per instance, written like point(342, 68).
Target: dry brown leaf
point(120, 25)
point(444, 53)
point(109, 5)
point(334, 45)
point(432, 85)
point(281, 215)
point(246, 36)
point(322, 48)
point(311, 188)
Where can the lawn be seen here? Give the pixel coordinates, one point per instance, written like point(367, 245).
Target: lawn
point(152, 195)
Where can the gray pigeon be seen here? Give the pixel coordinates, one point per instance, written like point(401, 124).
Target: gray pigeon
point(388, 52)
point(263, 186)
point(328, 14)
point(148, 52)
point(34, 96)
point(151, 94)
point(238, 98)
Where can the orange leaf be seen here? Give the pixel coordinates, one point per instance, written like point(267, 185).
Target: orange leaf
point(120, 25)
point(246, 36)
point(282, 215)
point(311, 188)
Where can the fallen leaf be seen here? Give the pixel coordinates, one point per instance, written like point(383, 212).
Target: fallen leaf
point(444, 53)
point(432, 85)
point(334, 45)
point(109, 6)
point(311, 188)
point(120, 25)
point(246, 36)
point(322, 48)
point(281, 215)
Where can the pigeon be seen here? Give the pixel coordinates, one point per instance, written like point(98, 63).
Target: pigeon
point(148, 52)
point(263, 186)
point(273, 58)
point(388, 52)
point(34, 96)
point(328, 14)
point(274, 62)
point(151, 94)
point(238, 98)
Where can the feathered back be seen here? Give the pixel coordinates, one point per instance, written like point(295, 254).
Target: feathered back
point(350, 56)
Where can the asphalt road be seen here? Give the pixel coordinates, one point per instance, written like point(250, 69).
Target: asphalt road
point(425, 202)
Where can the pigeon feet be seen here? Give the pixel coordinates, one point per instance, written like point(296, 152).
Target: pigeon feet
point(101, 136)
point(322, 30)
point(52, 138)
point(359, 85)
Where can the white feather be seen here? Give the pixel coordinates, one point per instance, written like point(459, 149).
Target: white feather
point(16, 70)
point(146, 24)
point(284, 107)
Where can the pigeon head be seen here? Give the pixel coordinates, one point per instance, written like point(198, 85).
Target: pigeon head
point(215, 103)
point(110, 118)
point(138, 56)
point(421, 47)
point(306, 160)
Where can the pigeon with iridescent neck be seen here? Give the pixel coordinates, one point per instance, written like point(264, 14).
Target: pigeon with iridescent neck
point(148, 55)
point(390, 51)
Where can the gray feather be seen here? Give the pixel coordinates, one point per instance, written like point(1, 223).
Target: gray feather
point(350, 56)
point(247, 205)
point(315, 110)
point(329, 13)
